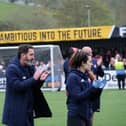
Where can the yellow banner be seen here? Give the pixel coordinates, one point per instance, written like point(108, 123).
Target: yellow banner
point(55, 35)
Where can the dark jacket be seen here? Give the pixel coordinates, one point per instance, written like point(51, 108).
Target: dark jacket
point(80, 93)
point(99, 72)
point(23, 96)
point(66, 68)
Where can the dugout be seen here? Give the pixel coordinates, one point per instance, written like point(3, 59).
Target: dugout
point(99, 38)
point(96, 45)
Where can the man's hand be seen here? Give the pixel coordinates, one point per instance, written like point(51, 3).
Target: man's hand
point(37, 74)
point(44, 75)
point(99, 61)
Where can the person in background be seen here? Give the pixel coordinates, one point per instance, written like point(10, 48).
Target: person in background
point(80, 91)
point(24, 99)
point(117, 57)
point(97, 71)
point(120, 73)
point(66, 68)
point(124, 61)
point(106, 58)
point(111, 64)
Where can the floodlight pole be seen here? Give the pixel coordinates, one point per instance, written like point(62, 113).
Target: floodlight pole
point(88, 15)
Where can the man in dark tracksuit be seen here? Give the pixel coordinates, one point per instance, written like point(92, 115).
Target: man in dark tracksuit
point(98, 72)
point(24, 99)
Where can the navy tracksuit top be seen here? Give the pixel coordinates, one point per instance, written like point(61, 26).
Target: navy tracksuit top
point(80, 93)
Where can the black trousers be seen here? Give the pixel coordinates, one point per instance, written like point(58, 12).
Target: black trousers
point(77, 121)
point(30, 121)
point(121, 78)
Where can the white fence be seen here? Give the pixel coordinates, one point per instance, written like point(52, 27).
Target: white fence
point(110, 76)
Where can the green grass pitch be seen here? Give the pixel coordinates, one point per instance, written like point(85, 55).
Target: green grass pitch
point(113, 109)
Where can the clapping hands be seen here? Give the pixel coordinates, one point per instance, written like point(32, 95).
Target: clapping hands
point(44, 75)
point(39, 74)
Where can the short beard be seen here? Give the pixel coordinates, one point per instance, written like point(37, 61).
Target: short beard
point(28, 63)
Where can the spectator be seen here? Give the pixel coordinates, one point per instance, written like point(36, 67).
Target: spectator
point(124, 61)
point(107, 57)
point(111, 64)
point(120, 73)
point(71, 50)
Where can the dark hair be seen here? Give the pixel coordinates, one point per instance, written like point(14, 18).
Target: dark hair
point(77, 58)
point(70, 51)
point(24, 49)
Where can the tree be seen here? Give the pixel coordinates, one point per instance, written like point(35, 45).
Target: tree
point(74, 13)
point(117, 8)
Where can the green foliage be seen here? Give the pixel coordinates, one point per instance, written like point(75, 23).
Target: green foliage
point(118, 9)
point(101, 15)
point(6, 9)
point(26, 17)
point(76, 13)
point(7, 26)
point(47, 14)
